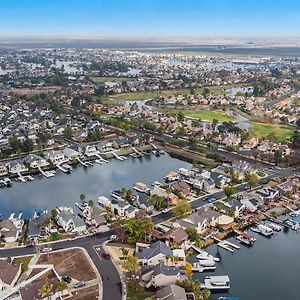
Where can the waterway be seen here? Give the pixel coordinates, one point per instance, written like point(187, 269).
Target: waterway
point(65, 189)
point(267, 270)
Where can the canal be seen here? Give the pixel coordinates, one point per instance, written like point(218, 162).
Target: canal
point(267, 270)
point(65, 189)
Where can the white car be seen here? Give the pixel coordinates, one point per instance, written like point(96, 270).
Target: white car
point(73, 238)
point(113, 237)
point(46, 249)
point(164, 211)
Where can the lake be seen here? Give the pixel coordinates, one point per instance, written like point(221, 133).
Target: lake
point(267, 270)
point(65, 189)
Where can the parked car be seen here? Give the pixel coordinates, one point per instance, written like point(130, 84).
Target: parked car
point(106, 255)
point(113, 237)
point(73, 238)
point(164, 211)
point(30, 245)
point(211, 200)
point(47, 249)
point(79, 284)
point(67, 279)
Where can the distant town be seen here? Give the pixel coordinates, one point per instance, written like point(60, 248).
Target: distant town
point(151, 167)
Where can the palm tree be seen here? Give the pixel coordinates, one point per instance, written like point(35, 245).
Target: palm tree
point(46, 290)
point(82, 197)
point(205, 293)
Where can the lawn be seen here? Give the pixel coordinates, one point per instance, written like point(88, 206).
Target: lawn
point(205, 115)
point(24, 261)
point(133, 96)
point(104, 79)
point(136, 292)
point(281, 132)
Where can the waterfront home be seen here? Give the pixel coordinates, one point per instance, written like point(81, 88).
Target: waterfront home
point(17, 166)
point(88, 150)
point(9, 274)
point(171, 292)
point(39, 226)
point(174, 235)
point(55, 157)
point(70, 222)
point(268, 194)
point(200, 220)
point(286, 186)
point(154, 254)
point(219, 179)
point(181, 187)
point(252, 202)
point(9, 232)
point(160, 275)
point(3, 169)
point(34, 161)
point(233, 207)
point(94, 215)
point(171, 197)
point(70, 153)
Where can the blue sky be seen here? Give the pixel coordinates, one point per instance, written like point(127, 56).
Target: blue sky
point(201, 18)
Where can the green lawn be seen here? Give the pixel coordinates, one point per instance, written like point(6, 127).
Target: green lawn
point(204, 115)
point(281, 132)
point(24, 261)
point(108, 78)
point(214, 90)
point(137, 293)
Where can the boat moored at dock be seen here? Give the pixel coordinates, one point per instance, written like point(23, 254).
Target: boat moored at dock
point(246, 238)
point(216, 282)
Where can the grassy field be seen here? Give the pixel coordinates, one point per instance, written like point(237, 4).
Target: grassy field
point(204, 115)
point(137, 293)
point(107, 78)
point(281, 132)
point(133, 96)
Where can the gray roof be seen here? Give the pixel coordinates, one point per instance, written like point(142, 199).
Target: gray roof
point(154, 249)
point(160, 268)
point(171, 292)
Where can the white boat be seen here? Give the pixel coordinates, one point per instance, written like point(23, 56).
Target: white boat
point(207, 262)
point(255, 229)
point(275, 227)
point(265, 230)
point(216, 282)
point(197, 267)
point(206, 256)
point(246, 238)
point(98, 161)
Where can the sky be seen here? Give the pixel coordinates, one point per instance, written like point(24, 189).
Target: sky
point(150, 18)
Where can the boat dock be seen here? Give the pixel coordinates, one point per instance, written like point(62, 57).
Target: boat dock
point(101, 158)
point(121, 158)
point(137, 152)
point(227, 245)
point(85, 164)
point(64, 168)
point(203, 254)
point(21, 178)
point(46, 174)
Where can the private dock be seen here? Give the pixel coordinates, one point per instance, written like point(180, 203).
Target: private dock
point(21, 178)
point(203, 254)
point(82, 162)
point(101, 158)
point(227, 245)
point(121, 158)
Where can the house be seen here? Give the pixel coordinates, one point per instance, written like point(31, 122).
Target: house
point(17, 166)
point(154, 254)
point(268, 194)
point(39, 226)
point(55, 157)
point(171, 292)
point(200, 220)
point(252, 202)
point(3, 169)
point(9, 231)
point(160, 275)
point(181, 187)
point(174, 235)
point(9, 274)
point(70, 222)
point(34, 161)
point(70, 153)
point(235, 206)
point(94, 216)
point(171, 197)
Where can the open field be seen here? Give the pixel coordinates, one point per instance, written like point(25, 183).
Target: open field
point(107, 78)
point(281, 132)
point(133, 96)
point(72, 262)
point(204, 115)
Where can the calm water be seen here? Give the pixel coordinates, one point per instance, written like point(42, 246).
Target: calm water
point(267, 271)
point(65, 189)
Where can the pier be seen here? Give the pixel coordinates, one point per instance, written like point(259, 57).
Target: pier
point(43, 172)
point(82, 162)
point(227, 245)
point(101, 158)
point(21, 178)
point(203, 254)
point(121, 158)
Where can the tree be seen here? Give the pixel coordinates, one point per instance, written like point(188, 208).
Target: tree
point(54, 213)
point(218, 205)
point(130, 265)
point(61, 285)
point(252, 179)
point(180, 116)
point(27, 145)
point(82, 197)
point(46, 290)
point(182, 206)
point(119, 229)
point(278, 157)
point(205, 92)
point(214, 124)
point(91, 203)
point(158, 202)
point(138, 229)
point(193, 234)
point(229, 191)
point(68, 133)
